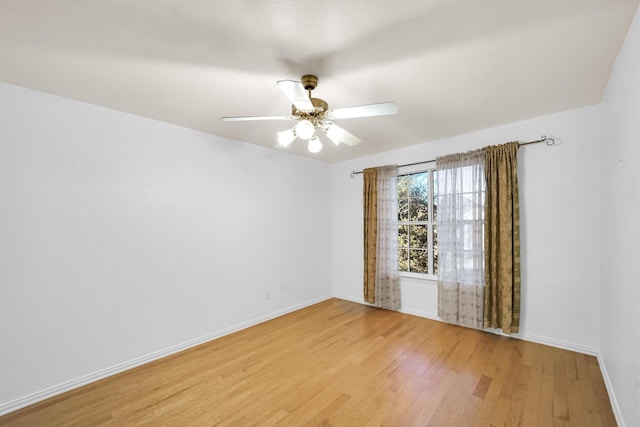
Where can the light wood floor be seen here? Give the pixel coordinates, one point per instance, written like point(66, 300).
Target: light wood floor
point(341, 363)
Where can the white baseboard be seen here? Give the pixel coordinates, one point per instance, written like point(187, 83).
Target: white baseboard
point(352, 299)
point(523, 336)
point(414, 312)
point(565, 345)
point(421, 313)
point(612, 396)
point(47, 393)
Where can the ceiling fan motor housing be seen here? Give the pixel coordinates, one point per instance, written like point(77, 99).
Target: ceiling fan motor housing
point(320, 106)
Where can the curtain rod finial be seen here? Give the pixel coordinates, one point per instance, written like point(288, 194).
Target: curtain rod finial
point(548, 141)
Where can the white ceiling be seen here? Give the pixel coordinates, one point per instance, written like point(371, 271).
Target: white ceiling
point(451, 66)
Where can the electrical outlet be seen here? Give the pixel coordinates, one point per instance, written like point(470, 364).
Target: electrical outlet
point(267, 294)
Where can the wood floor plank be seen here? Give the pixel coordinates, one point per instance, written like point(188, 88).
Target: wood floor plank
point(338, 363)
point(530, 410)
point(560, 396)
point(519, 396)
point(545, 405)
point(600, 392)
point(493, 402)
point(586, 393)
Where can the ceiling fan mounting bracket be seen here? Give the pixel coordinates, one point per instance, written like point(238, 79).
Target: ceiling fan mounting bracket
point(309, 81)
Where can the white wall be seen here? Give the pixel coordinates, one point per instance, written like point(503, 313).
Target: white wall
point(559, 225)
point(121, 237)
point(620, 230)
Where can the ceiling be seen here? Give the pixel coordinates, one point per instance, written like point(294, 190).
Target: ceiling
point(451, 66)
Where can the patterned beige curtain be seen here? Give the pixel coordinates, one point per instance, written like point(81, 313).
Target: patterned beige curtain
point(370, 204)
point(387, 276)
point(502, 239)
point(380, 201)
point(461, 187)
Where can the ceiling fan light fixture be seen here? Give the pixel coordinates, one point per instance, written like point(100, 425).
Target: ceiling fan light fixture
point(315, 146)
point(305, 129)
point(286, 137)
point(314, 113)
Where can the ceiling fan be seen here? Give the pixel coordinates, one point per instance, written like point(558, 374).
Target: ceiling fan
point(313, 115)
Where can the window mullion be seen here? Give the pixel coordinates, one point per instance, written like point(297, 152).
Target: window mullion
point(430, 228)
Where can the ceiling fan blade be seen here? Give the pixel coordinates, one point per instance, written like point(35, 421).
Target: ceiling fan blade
point(370, 110)
point(296, 94)
point(252, 118)
point(336, 134)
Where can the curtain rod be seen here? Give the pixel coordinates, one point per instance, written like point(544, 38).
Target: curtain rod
point(548, 141)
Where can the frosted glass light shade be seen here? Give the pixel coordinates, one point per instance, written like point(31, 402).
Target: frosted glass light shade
point(315, 146)
point(285, 138)
point(305, 129)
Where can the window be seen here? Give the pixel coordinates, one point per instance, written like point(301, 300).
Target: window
point(462, 220)
point(417, 214)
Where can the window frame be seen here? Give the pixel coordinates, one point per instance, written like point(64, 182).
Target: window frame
point(430, 223)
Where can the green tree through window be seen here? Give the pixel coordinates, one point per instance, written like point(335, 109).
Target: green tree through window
point(417, 214)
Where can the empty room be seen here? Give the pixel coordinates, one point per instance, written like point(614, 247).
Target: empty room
point(337, 213)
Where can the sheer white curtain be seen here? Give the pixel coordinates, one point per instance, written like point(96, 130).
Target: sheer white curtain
point(387, 280)
point(461, 189)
